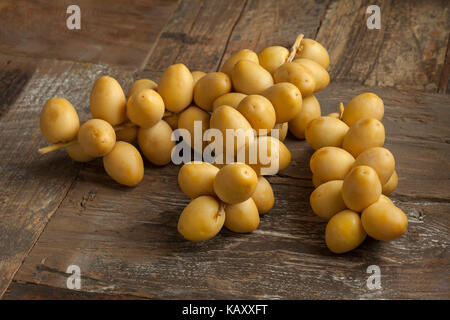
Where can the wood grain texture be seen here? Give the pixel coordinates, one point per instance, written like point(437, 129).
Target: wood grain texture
point(408, 52)
point(113, 32)
point(272, 23)
point(33, 185)
point(126, 243)
point(196, 35)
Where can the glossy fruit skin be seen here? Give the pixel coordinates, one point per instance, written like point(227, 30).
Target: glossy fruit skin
point(298, 75)
point(361, 188)
point(344, 232)
point(210, 87)
point(286, 100)
point(226, 117)
point(325, 132)
point(310, 111)
point(186, 120)
point(156, 144)
point(364, 134)
point(320, 74)
point(250, 78)
point(59, 121)
point(76, 153)
point(313, 50)
point(231, 99)
point(235, 183)
point(197, 179)
point(107, 101)
point(242, 217)
point(267, 155)
point(176, 87)
point(259, 112)
point(263, 196)
point(391, 184)
point(363, 106)
point(384, 221)
point(141, 84)
point(127, 134)
point(334, 115)
point(97, 137)
point(244, 54)
point(124, 164)
point(282, 130)
point(197, 75)
point(331, 163)
point(327, 200)
point(379, 159)
point(145, 108)
point(202, 219)
point(271, 58)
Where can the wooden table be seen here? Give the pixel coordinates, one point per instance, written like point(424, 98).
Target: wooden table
point(55, 213)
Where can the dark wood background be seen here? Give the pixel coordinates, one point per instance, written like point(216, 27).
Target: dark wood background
point(55, 213)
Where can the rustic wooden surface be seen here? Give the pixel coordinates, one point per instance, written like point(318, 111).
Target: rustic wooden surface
point(55, 213)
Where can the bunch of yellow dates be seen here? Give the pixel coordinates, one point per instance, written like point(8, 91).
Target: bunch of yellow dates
point(353, 174)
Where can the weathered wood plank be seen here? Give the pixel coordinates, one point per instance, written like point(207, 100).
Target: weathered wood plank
point(408, 51)
point(270, 23)
point(33, 186)
point(126, 243)
point(31, 291)
point(196, 35)
point(113, 32)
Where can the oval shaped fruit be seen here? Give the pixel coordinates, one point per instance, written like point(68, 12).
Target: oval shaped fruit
point(97, 137)
point(59, 121)
point(187, 120)
point(267, 155)
point(384, 221)
point(124, 164)
point(145, 108)
point(244, 54)
point(325, 132)
point(250, 78)
point(379, 159)
point(331, 163)
point(231, 99)
point(226, 117)
point(344, 232)
point(235, 183)
point(197, 179)
point(141, 84)
point(242, 217)
point(156, 144)
point(298, 75)
point(176, 87)
point(263, 196)
point(202, 219)
point(334, 115)
point(127, 134)
point(282, 130)
point(310, 111)
point(210, 87)
point(361, 188)
point(272, 57)
point(391, 185)
point(107, 101)
point(364, 134)
point(327, 200)
point(77, 153)
point(313, 50)
point(320, 74)
point(363, 106)
point(259, 112)
point(197, 75)
point(286, 100)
